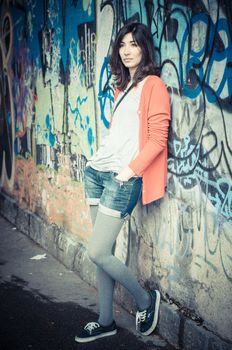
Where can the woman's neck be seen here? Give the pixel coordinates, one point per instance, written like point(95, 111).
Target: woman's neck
point(132, 74)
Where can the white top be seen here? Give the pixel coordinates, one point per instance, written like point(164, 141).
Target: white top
point(121, 145)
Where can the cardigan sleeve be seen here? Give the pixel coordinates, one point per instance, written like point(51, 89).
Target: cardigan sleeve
point(157, 128)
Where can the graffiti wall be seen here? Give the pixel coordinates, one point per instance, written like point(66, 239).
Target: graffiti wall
point(47, 100)
point(55, 102)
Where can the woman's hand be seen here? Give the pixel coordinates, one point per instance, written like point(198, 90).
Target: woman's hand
point(125, 174)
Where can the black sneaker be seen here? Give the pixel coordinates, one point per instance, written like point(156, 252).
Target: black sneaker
point(147, 319)
point(93, 331)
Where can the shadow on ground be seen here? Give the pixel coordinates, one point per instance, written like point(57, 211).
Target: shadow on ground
point(30, 320)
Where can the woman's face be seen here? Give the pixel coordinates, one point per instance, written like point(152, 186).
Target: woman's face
point(130, 53)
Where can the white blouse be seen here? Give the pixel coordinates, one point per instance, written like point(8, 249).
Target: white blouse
point(121, 145)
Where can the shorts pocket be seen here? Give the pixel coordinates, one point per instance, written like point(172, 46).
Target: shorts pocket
point(128, 182)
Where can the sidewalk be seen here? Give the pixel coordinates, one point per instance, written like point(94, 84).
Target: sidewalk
point(42, 304)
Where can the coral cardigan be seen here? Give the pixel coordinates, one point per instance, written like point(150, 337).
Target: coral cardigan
point(154, 116)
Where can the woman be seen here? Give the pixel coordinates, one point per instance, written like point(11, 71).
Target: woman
point(131, 159)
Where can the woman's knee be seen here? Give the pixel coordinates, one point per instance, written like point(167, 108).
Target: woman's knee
point(92, 254)
point(95, 255)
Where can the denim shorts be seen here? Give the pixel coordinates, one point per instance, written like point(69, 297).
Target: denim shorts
point(114, 197)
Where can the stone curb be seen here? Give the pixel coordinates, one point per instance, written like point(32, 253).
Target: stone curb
point(175, 328)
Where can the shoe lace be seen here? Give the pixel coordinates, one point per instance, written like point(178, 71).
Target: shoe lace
point(91, 326)
point(140, 317)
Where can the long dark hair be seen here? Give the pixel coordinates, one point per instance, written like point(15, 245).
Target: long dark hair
point(143, 38)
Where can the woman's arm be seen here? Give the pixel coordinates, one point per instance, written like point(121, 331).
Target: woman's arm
point(157, 123)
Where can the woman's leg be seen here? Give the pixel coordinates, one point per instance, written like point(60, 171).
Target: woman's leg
point(105, 285)
point(106, 230)
point(93, 213)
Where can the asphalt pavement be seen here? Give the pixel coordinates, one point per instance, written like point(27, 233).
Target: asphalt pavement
point(43, 304)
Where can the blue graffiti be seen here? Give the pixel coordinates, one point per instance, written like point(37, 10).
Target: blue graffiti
point(76, 111)
point(105, 94)
point(84, 121)
point(206, 67)
point(49, 135)
point(214, 54)
point(195, 52)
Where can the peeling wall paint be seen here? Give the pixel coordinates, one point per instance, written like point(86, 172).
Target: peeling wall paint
point(55, 103)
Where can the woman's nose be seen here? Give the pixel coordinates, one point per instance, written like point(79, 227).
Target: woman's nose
point(126, 50)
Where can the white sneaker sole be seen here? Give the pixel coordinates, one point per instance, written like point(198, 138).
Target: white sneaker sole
point(89, 339)
point(155, 320)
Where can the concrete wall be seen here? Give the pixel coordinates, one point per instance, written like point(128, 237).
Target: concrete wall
point(55, 103)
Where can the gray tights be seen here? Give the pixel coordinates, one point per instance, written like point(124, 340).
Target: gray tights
point(110, 269)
